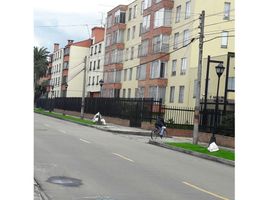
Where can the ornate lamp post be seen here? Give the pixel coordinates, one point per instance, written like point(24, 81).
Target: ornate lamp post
point(219, 70)
point(101, 84)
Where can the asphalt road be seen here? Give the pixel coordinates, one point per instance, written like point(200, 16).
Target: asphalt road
point(74, 162)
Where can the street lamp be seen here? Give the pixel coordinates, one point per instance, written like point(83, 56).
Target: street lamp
point(52, 93)
point(219, 70)
point(65, 96)
point(101, 84)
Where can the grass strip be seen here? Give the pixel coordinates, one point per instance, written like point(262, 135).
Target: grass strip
point(229, 155)
point(65, 117)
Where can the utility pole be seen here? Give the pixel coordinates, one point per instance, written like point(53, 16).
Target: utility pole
point(84, 89)
point(199, 75)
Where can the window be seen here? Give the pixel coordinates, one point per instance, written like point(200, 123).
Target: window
point(91, 52)
point(141, 72)
point(146, 24)
point(97, 81)
point(188, 9)
point(173, 69)
point(231, 83)
point(147, 4)
point(140, 32)
point(128, 33)
point(108, 40)
point(109, 21)
point(132, 53)
point(161, 43)
point(98, 67)
point(178, 14)
point(130, 74)
point(185, 37)
point(183, 66)
point(129, 14)
point(162, 17)
point(134, 11)
point(129, 93)
point(157, 92)
point(65, 65)
point(124, 93)
point(106, 58)
point(143, 48)
point(142, 7)
point(96, 49)
point(99, 48)
point(224, 39)
point(117, 76)
point(94, 65)
point(227, 6)
point(125, 74)
point(176, 41)
point(126, 55)
point(171, 95)
point(133, 31)
point(93, 81)
point(119, 17)
point(158, 69)
point(181, 94)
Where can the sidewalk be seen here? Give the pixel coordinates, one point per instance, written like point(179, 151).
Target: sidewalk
point(123, 129)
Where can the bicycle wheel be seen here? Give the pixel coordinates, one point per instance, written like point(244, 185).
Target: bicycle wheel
point(154, 134)
point(165, 133)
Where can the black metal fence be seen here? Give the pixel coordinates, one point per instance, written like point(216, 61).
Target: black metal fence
point(134, 109)
point(147, 109)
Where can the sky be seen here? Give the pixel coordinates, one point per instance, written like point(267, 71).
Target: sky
point(55, 22)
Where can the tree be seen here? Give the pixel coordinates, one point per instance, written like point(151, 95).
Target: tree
point(40, 68)
point(40, 63)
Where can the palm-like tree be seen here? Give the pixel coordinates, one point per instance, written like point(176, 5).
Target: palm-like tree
point(40, 68)
point(40, 63)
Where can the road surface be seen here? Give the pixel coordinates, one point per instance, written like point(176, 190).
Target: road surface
point(74, 162)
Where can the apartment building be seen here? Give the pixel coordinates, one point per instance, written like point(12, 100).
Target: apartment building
point(114, 48)
point(55, 69)
point(73, 65)
point(95, 63)
point(152, 49)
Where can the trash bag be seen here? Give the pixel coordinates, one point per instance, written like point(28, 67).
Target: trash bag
point(213, 147)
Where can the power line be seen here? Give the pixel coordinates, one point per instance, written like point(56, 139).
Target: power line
point(219, 37)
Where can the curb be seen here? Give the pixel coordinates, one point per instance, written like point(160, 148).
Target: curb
point(101, 128)
point(123, 132)
point(200, 155)
point(38, 189)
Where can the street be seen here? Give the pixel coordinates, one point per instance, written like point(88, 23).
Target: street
point(74, 162)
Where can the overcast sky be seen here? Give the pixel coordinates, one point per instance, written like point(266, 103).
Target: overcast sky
point(56, 22)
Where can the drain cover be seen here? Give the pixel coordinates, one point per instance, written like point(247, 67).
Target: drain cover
point(65, 181)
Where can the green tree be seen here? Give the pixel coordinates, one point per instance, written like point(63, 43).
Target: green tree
point(40, 68)
point(40, 63)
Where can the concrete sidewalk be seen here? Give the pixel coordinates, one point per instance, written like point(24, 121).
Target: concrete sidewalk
point(123, 129)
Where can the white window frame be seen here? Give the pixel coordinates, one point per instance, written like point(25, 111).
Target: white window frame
point(178, 14)
point(183, 66)
point(186, 37)
point(171, 94)
point(188, 9)
point(174, 67)
point(176, 40)
point(146, 23)
point(224, 39)
point(227, 9)
point(181, 93)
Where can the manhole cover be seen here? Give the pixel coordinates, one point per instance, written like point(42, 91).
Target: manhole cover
point(65, 181)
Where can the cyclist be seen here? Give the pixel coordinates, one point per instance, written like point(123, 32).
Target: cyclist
point(160, 124)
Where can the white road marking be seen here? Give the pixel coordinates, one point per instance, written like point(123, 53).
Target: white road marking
point(85, 141)
point(123, 157)
point(202, 190)
point(62, 131)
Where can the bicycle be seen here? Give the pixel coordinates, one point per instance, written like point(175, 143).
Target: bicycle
point(156, 132)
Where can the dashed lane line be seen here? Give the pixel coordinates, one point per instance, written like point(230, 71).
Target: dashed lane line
point(123, 157)
point(205, 191)
point(85, 141)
